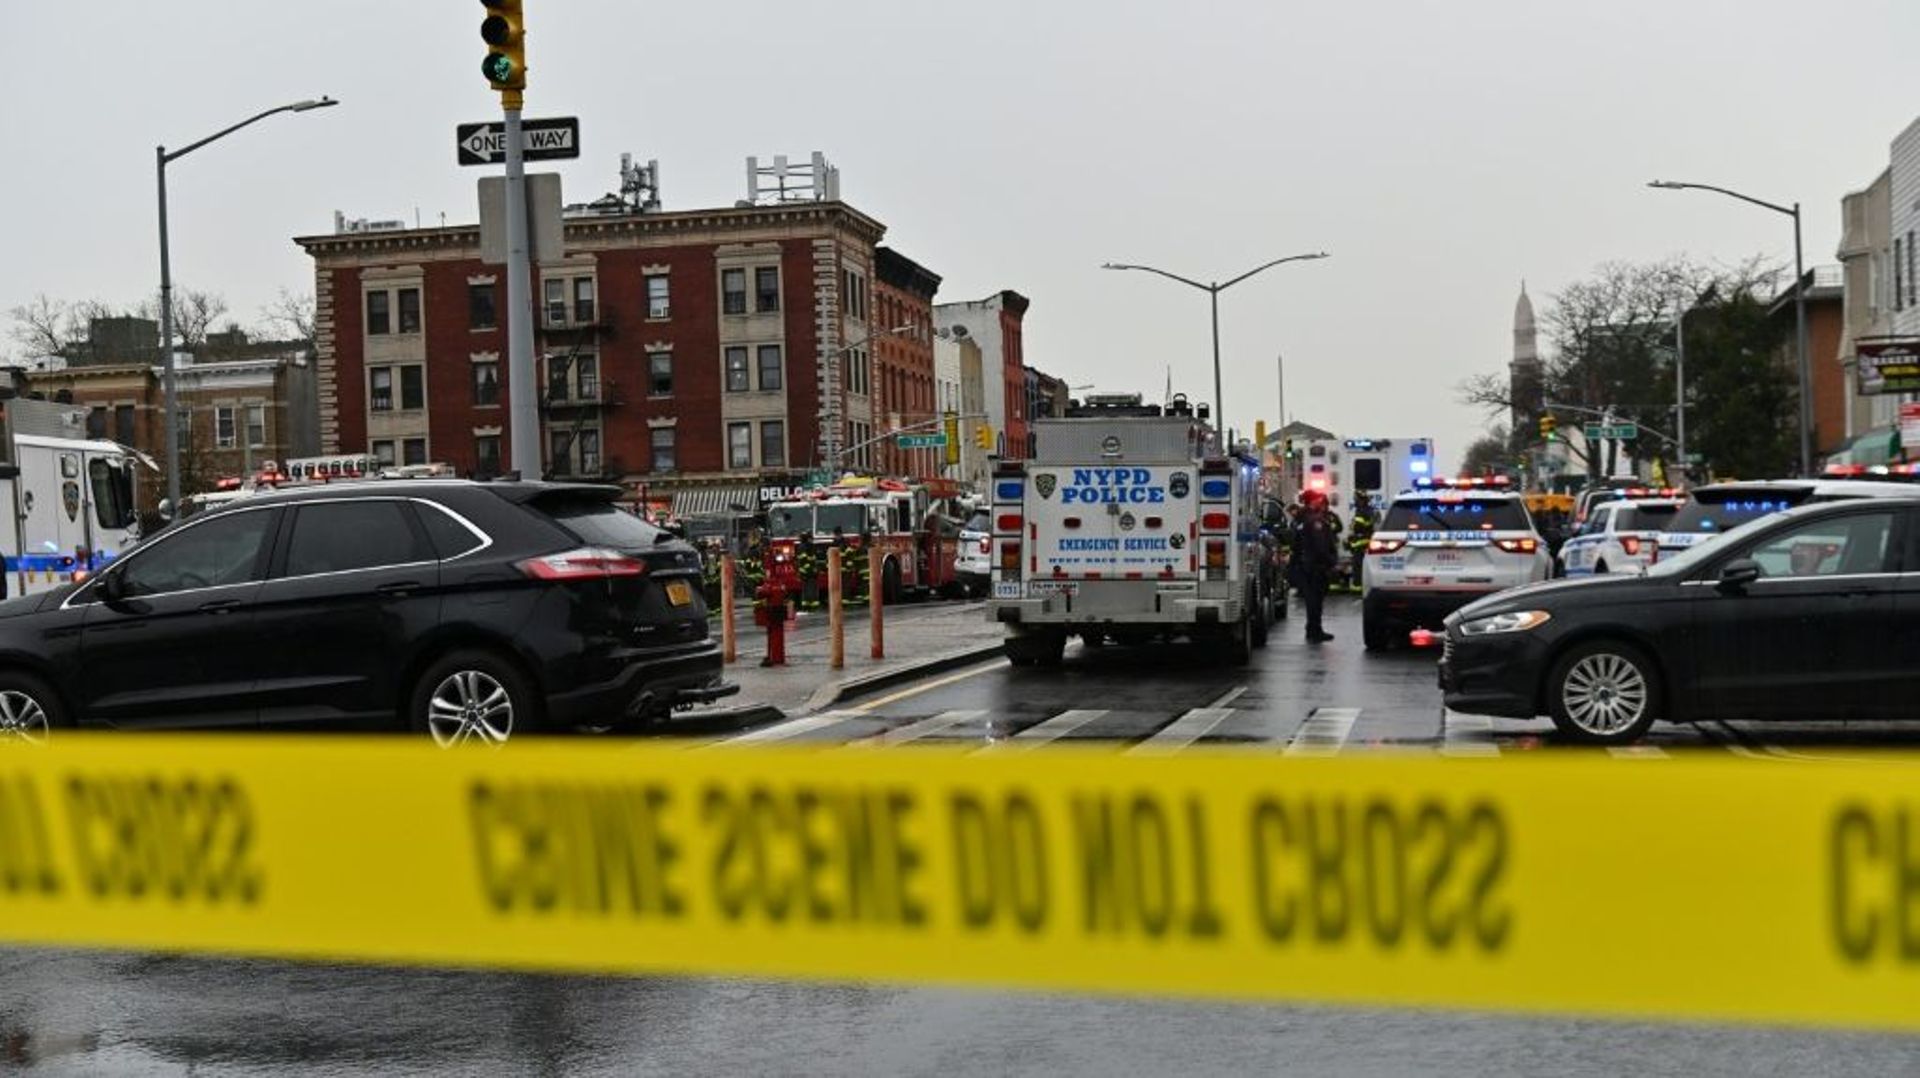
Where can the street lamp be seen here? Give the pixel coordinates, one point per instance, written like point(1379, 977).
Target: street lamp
point(1213, 292)
point(1799, 307)
point(160, 158)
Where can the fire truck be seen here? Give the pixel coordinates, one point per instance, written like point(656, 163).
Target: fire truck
point(902, 530)
point(1129, 524)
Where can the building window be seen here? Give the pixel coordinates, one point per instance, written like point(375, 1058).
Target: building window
point(413, 451)
point(480, 307)
point(1899, 278)
point(377, 316)
point(486, 456)
point(560, 452)
point(770, 366)
point(766, 289)
point(183, 442)
point(733, 291)
point(660, 374)
point(257, 425)
point(413, 387)
point(380, 395)
point(739, 445)
point(486, 384)
point(556, 294)
point(223, 427)
point(583, 299)
point(383, 454)
point(773, 444)
point(409, 310)
point(658, 298)
point(663, 450)
point(587, 376)
point(558, 391)
point(1910, 261)
point(97, 422)
point(587, 443)
point(737, 370)
point(123, 424)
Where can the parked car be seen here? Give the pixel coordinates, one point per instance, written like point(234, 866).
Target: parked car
point(464, 611)
point(1441, 547)
point(972, 561)
point(1812, 613)
point(1619, 536)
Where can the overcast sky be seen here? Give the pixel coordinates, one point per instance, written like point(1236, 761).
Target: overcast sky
point(1442, 151)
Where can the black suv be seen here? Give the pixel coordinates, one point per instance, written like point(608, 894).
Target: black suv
point(467, 611)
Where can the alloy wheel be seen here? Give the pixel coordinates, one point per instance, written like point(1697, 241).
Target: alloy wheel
point(470, 705)
point(22, 717)
point(1604, 694)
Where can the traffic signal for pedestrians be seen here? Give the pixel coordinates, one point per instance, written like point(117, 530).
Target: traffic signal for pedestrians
point(1549, 428)
point(983, 436)
point(505, 32)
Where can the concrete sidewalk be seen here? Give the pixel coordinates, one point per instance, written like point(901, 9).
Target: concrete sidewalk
point(920, 638)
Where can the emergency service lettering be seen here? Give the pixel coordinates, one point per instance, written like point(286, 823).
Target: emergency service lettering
point(1113, 485)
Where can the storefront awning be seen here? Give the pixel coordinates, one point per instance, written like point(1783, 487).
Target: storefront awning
point(702, 501)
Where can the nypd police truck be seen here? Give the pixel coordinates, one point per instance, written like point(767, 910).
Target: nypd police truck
point(1128, 524)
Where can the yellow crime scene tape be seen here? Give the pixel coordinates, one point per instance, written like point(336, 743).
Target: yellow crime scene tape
point(1687, 887)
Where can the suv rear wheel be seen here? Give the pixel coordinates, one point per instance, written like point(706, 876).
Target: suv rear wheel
point(472, 696)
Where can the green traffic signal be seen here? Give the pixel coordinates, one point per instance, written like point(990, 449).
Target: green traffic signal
point(505, 31)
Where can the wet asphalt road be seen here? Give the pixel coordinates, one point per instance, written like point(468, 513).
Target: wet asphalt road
point(76, 1013)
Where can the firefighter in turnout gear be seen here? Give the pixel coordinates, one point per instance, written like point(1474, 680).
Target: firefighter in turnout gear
point(1358, 536)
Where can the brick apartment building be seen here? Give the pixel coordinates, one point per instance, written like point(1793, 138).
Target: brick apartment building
point(903, 362)
point(704, 354)
point(242, 403)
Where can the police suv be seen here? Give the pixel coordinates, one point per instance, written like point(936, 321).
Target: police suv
point(1711, 511)
point(1439, 547)
point(1621, 536)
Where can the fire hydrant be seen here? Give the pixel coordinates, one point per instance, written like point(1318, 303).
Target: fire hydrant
point(770, 610)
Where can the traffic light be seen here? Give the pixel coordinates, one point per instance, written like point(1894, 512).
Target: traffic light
point(505, 32)
point(951, 427)
point(983, 436)
point(1549, 428)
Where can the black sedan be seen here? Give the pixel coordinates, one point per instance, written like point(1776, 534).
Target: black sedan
point(465, 611)
point(1810, 614)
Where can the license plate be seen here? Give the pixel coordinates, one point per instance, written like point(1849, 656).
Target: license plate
point(679, 592)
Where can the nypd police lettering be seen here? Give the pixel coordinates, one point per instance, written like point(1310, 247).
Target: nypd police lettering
point(1133, 486)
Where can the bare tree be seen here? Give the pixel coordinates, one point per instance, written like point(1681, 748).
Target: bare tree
point(55, 327)
point(290, 317)
point(194, 314)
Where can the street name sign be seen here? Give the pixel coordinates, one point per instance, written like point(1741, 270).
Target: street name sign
point(920, 441)
point(1622, 431)
point(540, 140)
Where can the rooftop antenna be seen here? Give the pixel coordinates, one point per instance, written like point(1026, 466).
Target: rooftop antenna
point(784, 181)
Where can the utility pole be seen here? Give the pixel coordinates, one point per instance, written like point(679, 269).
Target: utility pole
point(505, 67)
point(1680, 386)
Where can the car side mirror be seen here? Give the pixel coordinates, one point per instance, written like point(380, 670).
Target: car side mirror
point(1737, 574)
point(112, 587)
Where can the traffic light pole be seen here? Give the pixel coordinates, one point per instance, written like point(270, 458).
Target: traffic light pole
point(523, 419)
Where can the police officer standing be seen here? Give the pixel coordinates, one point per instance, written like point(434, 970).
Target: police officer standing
point(1315, 555)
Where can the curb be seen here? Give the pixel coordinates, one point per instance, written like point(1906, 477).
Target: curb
point(721, 720)
point(836, 692)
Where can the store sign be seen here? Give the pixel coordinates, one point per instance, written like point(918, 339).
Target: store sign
point(782, 488)
point(1889, 365)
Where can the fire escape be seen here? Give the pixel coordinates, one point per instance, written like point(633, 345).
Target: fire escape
point(571, 399)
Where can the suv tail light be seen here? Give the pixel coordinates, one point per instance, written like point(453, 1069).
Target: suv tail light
point(584, 563)
point(1630, 544)
point(1518, 546)
point(1384, 546)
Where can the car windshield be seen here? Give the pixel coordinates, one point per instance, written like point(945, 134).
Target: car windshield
point(1711, 512)
point(849, 518)
point(786, 521)
point(1466, 514)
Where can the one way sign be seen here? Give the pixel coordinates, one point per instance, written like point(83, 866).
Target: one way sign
point(541, 140)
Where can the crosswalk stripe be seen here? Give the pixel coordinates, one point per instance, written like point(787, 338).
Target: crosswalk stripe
point(1324, 732)
point(914, 731)
point(781, 731)
point(1182, 731)
point(1057, 727)
point(1466, 735)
